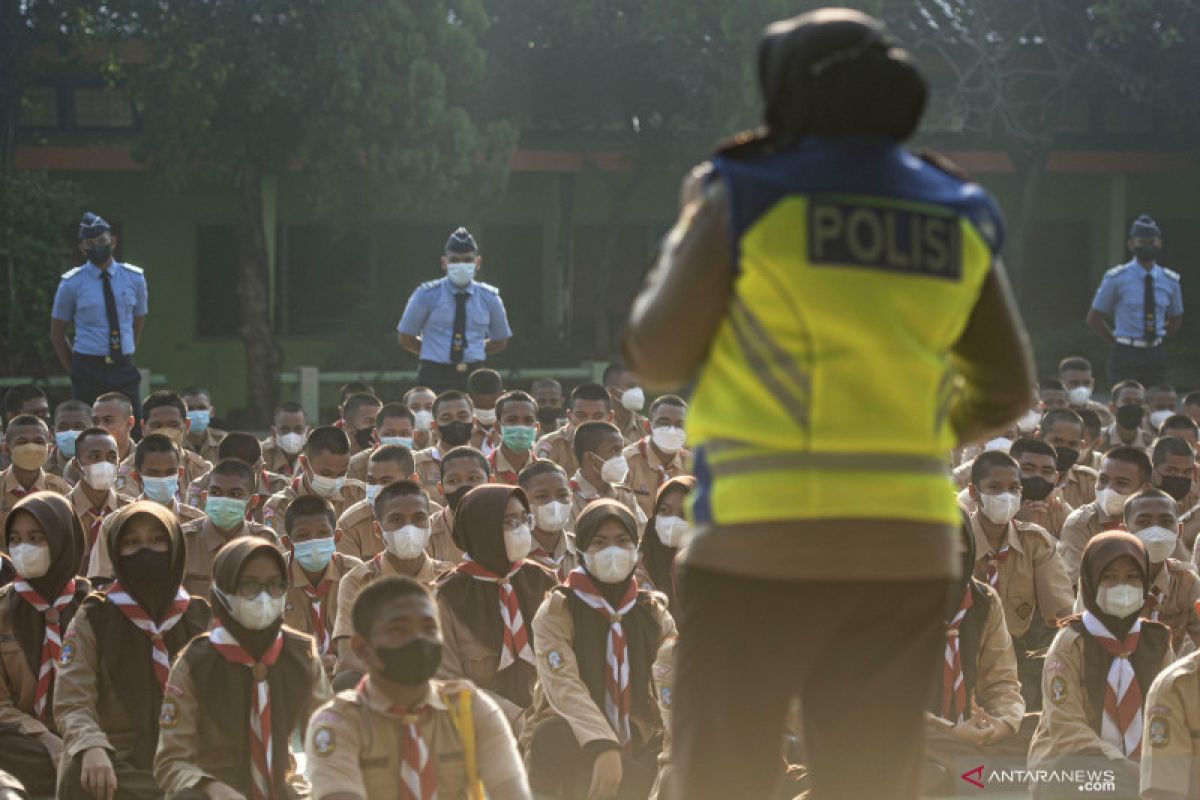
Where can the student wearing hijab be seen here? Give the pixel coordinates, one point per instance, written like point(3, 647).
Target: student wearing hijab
point(1099, 669)
point(486, 604)
point(238, 693)
point(666, 532)
point(47, 544)
point(594, 727)
point(116, 655)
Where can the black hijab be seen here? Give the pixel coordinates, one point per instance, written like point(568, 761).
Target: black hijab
point(657, 558)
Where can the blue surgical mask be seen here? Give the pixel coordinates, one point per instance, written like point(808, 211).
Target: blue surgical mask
point(314, 555)
point(65, 441)
point(226, 513)
point(373, 490)
point(401, 440)
point(200, 419)
point(160, 490)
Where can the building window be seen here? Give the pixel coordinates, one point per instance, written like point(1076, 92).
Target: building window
point(216, 276)
point(103, 108)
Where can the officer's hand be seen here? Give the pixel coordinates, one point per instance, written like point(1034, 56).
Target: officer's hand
point(220, 791)
point(53, 745)
point(97, 775)
point(606, 775)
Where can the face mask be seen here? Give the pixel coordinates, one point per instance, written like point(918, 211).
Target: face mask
point(160, 490)
point(423, 419)
point(1027, 423)
point(1146, 252)
point(1111, 502)
point(226, 513)
point(29, 456)
point(1064, 459)
point(144, 567)
point(455, 434)
point(461, 273)
point(31, 561)
point(672, 531)
point(634, 398)
point(65, 442)
point(1130, 417)
point(612, 564)
point(1000, 508)
point(1157, 418)
point(315, 554)
point(1175, 486)
point(257, 613)
point(615, 469)
point(327, 487)
point(98, 254)
point(373, 491)
point(1079, 396)
point(365, 438)
point(412, 664)
point(455, 497)
point(1036, 488)
point(518, 543)
point(407, 542)
point(403, 441)
point(1121, 601)
point(201, 418)
point(1159, 542)
point(999, 443)
point(548, 417)
point(292, 443)
point(174, 434)
point(668, 439)
point(518, 438)
point(100, 476)
point(486, 416)
point(553, 516)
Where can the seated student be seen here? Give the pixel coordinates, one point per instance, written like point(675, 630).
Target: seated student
point(358, 420)
point(402, 524)
point(548, 394)
point(202, 438)
point(93, 497)
point(25, 398)
point(323, 473)
point(1162, 402)
point(289, 432)
point(1123, 472)
point(228, 504)
point(394, 424)
point(545, 484)
point(453, 423)
point(1093, 436)
point(245, 448)
point(27, 442)
point(46, 543)
point(164, 413)
point(589, 402)
point(401, 734)
point(114, 413)
point(1075, 373)
point(1052, 394)
point(315, 572)
point(1098, 670)
point(1170, 765)
point(462, 469)
point(344, 393)
point(1064, 431)
point(1183, 426)
point(659, 457)
point(602, 469)
point(1153, 517)
point(116, 655)
point(71, 417)
point(486, 603)
point(666, 532)
point(156, 472)
point(962, 473)
point(516, 415)
point(419, 400)
point(1174, 463)
point(624, 387)
point(1130, 426)
point(1042, 500)
point(239, 693)
point(484, 388)
point(356, 534)
point(591, 725)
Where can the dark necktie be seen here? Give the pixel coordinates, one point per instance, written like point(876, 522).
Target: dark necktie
point(110, 310)
point(459, 342)
point(1148, 302)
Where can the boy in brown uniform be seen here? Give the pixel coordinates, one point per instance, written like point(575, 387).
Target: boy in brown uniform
point(1170, 766)
point(393, 425)
point(93, 497)
point(71, 417)
point(323, 473)
point(1064, 431)
point(628, 397)
point(1153, 517)
point(202, 437)
point(516, 414)
point(589, 402)
point(244, 448)
point(356, 534)
point(1174, 463)
point(164, 413)
point(462, 470)
point(659, 457)
point(114, 413)
point(1042, 501)
point(419, 400)
point(602, 469)
point(358, 420)
point(485, 387)
point(1076, 376)
point(289, 432)
point(1130, 426)
point(27, 442)
point(453, 422)
point(441, 738)
point(549, 492)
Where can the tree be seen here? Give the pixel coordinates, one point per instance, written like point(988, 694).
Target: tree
point(359, 95)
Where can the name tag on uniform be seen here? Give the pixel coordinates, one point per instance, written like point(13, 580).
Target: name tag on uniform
point(921, 243)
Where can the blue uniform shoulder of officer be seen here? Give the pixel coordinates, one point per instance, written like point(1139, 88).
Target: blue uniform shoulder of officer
point(132, 268)
point(71, 273)
point(430, 285)
point(1172, 274)
point(487, 287)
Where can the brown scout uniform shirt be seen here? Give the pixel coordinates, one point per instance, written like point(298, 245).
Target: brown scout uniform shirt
point(99, 565)
point(583, 493)
point(358, 465)
point(88, 513)
point(275, 460)
point(1032, 576)
point(203, 541)
point(356, 535)
point(441, 545)
point(1080, 488)
point(428, 465)
point(18, 684)
point(210, 441)
point(56, 464)
point(562, 559)
point(276, 507)
point(381, 566)
point(298, 611)
point(356, 747)
point(558, 446)
point(11, 491)
point(633, 430)
point(267, 484)
point(1171, 739)
point(193, 467)
point(647, 472)
point(1180, 588)
point(1086, 522)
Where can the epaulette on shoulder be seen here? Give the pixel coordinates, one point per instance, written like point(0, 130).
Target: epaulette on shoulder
point(488, 287)
point(433, 284)
point(134, 268)
point(1115, 270)
point(71, 273)
point(1172, 274)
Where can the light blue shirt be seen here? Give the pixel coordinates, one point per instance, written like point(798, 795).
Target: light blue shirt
point(80, 299)
point(430, 315)
point(1122, 293)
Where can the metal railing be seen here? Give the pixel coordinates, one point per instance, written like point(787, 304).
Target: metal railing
point(149, 381)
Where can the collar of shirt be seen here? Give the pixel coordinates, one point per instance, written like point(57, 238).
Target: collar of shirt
point(1154, 270)
point(500, 462)
point(95, 272)
point(1162, 579)
point(378, 701)
point(214, 539)
point(585, 488)
point(300, 577)
point(83, 505)
point(652, 458)
point(983, 547)
point(563, 544)
point(11, 483)
point(452, 290)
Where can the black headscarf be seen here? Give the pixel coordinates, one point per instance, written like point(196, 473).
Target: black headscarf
point(479, 532)
point(657, 558)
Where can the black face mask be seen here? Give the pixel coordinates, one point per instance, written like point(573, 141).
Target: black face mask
point(364, 437)
point(99, 254)
point(455, 434)
point(1036, 488)
point(1064, 459)
point(145, 567)
point(412, 664)
point(1130, 417)
point(1175, 486)
point(1146, 252)
point(455, 497)
point(548, 417)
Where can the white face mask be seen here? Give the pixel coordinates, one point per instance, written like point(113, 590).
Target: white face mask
point(615, 469)
point(672, 531)
point(1111, 502)
point(1079, 396)
point(423, 419)
point(292, 443)
point(1000, 508)
point(1000, 443)
point(486, 416)
point(668, 439)
point(101, 476)
point(1160, 542)
point(327, 487)
point(1027, 423)
point(634, 398)
point(1157, 418)
point(518, 543)
point(612, 564)
point(407, 542)
point(553, 516)
point(1122, 600)
point(257, 613)
point(461, 273)
point(31, 561)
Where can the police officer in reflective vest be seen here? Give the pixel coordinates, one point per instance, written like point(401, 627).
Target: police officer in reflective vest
point(841, 306)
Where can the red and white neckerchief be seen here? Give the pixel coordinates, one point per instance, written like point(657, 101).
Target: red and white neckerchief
point(1122, 722)
point(1154, 603)
point(418, 769)
point(516, 636)
point(317, 609)
point(98, 515)
point(51, 641)
point(995, 561)
point(652, 462)
point(542, 556)
point(262, 784)
point(155, 630)
point(954, 685)
point(618, 697)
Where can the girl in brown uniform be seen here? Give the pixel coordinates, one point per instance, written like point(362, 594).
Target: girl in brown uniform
point(46, 540)
point(665, 533)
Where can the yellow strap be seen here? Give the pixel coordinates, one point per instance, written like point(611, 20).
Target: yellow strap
point(464, 722)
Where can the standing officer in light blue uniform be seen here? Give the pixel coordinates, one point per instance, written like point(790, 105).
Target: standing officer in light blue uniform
point(1146, 303)
point(107, 303)
point(453, 324)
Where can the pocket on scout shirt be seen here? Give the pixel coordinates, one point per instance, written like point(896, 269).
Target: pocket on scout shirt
point(1020, 596)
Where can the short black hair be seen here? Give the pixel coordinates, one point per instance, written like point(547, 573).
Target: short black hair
point(400, 488)
point(378, 593)
point(1170, 446)
point(1051, 385)
point(1147, 494)
point(196, 391)
point(1056, 415)
point(19, 395)
point(589, 435)
point(395, 454)
point(536, 468)
point(235, 467)
point(1091, 422)
point(327, 439)
point(155, 443)
point(88, 433)
point(590, 391)
point(357, 401)
point(1027, 444)
point(612, 371)
point(27, 421)
point(163, 399)
point(988, 460)
point(515, 396)
point(1177, 421)
point(395, 411)
point(115, 397)
point(463, 451)
point(1074, 363)
point(1135, 456)
point(485, 381)
point(450, 396)
point(77, 406)
point(1122, 386)
point(407, 396)
point(354, 387)
point(545, 383)
point(309, 505)
point(289, 407)
point(668, 400)
point(242, 446)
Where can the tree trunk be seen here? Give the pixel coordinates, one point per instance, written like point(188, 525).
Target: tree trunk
point(263, 355)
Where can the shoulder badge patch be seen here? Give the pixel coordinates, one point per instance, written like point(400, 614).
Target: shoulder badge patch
point(67, 654)
point(555, 660)
point(1058, 690)
point(1159, 731)
point(324, 743)
point(169, 717)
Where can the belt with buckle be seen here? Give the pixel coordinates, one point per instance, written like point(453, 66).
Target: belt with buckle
point(1140, 343)
point(460, 367)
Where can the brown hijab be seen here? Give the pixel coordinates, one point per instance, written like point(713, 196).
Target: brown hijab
point(1099, 553)
point(657, 558)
